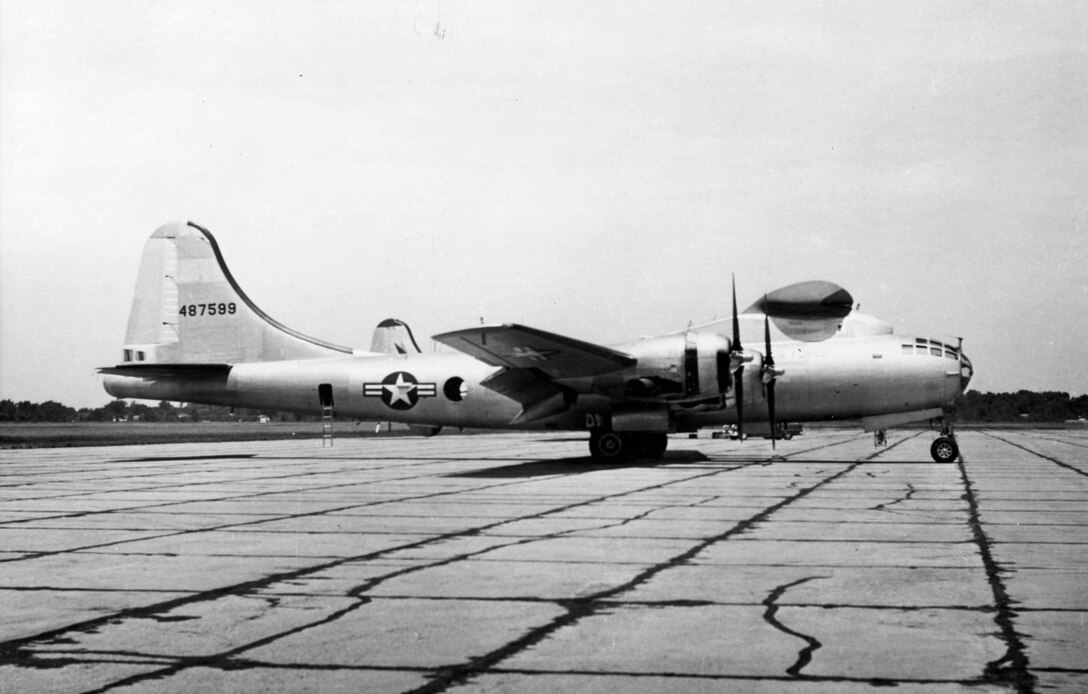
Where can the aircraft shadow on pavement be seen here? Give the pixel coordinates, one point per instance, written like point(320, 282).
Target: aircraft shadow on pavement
point(167, 458)
point(575, 466)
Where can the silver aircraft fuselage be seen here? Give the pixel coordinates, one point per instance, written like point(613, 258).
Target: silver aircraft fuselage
point(843, 378)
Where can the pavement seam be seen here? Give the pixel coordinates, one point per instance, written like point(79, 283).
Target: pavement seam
point(1037, 454)
point(12, 651)
point(1012, 668)
point(578, 609)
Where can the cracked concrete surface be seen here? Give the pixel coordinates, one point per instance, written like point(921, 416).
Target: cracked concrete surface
point(511, 563)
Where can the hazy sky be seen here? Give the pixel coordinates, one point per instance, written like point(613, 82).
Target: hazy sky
point(595, 169)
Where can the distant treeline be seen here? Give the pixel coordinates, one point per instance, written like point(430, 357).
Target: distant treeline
point(1021, 406)
point(122, 411)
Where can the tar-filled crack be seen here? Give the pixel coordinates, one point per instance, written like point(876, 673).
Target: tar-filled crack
point(1063, 441)
point(233, 497)
point(376, 581)
point(14, 650)
point(578, 609)
point(1037, 454)
point(804, 656)
point(1012, 667)
point(17, 651)
point(221, 660)
point(257, 521)
point(905, 497)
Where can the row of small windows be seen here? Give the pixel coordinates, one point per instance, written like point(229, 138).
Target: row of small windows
point(931, 347)
point(139, 355)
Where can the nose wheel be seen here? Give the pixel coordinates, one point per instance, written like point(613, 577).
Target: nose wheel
point(944, 448)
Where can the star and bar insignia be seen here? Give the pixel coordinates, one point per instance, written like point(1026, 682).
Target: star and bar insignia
point(400, 390)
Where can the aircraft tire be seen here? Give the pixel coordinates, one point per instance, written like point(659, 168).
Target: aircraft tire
point(608, 447)
point(944, 449)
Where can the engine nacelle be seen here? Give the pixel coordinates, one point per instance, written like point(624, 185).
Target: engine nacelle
point(689, 366)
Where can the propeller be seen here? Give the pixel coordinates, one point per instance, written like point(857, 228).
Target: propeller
point(737, 360)
point(769, 374)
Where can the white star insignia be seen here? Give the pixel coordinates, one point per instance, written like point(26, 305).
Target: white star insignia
point(398, 392)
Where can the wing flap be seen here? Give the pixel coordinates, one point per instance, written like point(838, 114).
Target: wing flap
point(520, 347)
point(539, 396)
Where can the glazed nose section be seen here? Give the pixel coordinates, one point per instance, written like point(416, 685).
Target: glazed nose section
point(966, 371)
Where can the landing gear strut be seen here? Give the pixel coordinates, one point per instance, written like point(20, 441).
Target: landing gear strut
point(944, 448)
point(613, 447)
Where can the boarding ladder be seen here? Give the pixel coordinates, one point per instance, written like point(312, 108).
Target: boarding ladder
point(326, 425)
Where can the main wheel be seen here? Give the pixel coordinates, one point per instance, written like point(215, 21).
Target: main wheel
point(608, 447)
point(944, 449)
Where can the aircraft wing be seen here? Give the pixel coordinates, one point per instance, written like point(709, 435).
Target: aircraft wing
point(520, 347)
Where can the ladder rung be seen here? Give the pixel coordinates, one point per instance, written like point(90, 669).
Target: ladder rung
point(326, 425)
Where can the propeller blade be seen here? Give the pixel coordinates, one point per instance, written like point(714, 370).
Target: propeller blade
point(737, 350)
point(736, 319)
point(768, 374)
point(768, 360)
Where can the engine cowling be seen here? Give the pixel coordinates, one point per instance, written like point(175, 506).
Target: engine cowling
point(684, 367)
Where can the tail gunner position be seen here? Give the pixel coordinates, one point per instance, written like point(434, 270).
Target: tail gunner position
point(799, 354)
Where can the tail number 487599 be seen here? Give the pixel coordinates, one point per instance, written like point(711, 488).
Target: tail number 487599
point(221, 309)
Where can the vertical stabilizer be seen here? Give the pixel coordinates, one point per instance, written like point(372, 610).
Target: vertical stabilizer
point(189, 309)
point(393, 336)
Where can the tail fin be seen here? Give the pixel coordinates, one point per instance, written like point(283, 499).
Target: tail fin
point(393, 336)
point(189, 310)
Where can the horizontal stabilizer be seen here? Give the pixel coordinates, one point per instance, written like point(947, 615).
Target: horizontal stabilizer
point(167, 370)
point(521, 347)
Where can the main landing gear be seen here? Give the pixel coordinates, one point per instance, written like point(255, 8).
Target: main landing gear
point(944, 448)
point(616, 447)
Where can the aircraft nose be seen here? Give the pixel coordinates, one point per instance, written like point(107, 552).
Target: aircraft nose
point(966, 371)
